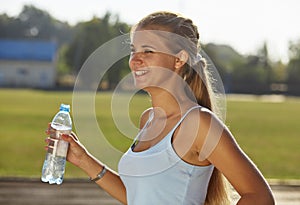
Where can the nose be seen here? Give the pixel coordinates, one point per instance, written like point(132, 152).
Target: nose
point(135, 60)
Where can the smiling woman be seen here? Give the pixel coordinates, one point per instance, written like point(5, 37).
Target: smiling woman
point(183, 149)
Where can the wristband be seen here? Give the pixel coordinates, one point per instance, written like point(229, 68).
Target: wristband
point(100, 175)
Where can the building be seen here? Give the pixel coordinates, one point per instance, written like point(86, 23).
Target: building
point(27, 63)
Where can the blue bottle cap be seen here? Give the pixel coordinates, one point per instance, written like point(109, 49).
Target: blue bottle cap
point(64, 107)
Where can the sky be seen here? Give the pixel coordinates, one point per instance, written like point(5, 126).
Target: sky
point(244, 25)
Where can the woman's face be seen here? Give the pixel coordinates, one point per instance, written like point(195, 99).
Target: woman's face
point(151, 61)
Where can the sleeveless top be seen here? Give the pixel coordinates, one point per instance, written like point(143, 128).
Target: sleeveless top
point(159, 176)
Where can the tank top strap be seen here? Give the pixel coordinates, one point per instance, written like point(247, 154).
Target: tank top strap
point(170, 134)
point(183, 117)
point(151, 115)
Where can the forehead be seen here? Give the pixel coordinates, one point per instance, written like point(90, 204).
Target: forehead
point(161, 41)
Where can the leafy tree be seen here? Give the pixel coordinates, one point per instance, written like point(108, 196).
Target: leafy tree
point(33, 23)
point(294, 63)
point(294, 49)
point(294, 71)
point(293, 68)
point(250, 77)
point(226, 60)
point(265, 62)
point(89, 36)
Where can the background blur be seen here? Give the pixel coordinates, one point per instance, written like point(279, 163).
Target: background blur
point(255, 46)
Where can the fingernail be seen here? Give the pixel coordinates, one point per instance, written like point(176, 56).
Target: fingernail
point(64, 135)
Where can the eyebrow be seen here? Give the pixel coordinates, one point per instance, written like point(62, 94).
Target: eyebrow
point(143, 46)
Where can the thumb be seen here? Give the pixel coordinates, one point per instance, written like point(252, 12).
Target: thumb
point(67, 137)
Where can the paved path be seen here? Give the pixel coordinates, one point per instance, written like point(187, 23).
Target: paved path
point(83, 192)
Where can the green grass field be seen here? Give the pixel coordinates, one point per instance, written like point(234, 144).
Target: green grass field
point(268, 132)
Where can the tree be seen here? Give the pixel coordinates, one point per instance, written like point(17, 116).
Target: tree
point(89, 36)
point(226, 60)
point(293, 68)
point(33, 23)
point(265, 62)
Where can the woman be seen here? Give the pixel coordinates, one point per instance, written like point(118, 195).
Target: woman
point(182, 150)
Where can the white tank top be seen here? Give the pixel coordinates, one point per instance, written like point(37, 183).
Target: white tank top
point(158, 176)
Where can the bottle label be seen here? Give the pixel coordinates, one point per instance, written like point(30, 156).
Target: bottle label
point(58, 147)
point(62, 148)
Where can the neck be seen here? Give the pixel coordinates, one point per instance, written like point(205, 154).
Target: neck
point(171, 103)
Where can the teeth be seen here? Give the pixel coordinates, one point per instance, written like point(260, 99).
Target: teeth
point(140, 72)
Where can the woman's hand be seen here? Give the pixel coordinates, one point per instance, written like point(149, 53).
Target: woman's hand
point(76, 152)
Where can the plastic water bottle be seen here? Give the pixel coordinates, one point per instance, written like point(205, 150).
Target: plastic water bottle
point(55, 161)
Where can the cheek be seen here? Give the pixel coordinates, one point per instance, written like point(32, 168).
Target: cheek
point(169, 64)
point(168, 61)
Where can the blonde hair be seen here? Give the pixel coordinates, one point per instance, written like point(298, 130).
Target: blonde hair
point(196, 75)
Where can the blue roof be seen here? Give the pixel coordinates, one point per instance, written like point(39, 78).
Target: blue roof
point(27, 50)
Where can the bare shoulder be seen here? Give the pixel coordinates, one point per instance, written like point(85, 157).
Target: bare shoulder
point(204, 117)
point(208, 130)
point(216, 144)
point(193, 133)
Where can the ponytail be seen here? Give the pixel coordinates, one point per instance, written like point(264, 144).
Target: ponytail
point(217, 191)
point(198, 79)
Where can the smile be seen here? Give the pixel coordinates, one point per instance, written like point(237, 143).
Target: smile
point(140, 72)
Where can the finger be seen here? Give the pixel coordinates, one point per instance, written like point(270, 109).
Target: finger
point(49, 143)
point(48, 149)
point(48, 127)
point(51, 140)
point(47, 140)
point(47, 130)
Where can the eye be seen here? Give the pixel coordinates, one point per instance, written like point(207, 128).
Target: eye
point(132, 50)
point(148, 51)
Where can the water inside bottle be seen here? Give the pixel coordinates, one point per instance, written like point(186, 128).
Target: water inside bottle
point(60, 127)
point(53, 169)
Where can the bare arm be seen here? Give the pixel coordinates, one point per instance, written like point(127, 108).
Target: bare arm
point(80, 157)
point(240, 171)
point(111, 181)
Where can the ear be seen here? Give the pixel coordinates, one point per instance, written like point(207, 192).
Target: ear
point(181, 59)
